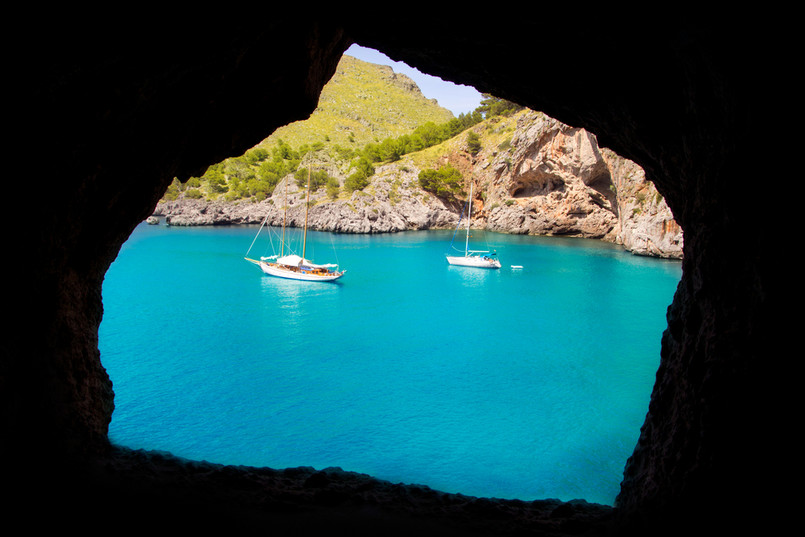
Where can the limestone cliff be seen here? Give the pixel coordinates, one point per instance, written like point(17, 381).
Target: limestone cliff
point(542, 178)
point(556, 180)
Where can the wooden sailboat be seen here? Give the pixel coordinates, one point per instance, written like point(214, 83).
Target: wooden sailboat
point(472, 258)
point(292, 266)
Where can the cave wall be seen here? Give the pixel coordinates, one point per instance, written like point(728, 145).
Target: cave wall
point(675, 94)
point(108, 116)
point(111, 115)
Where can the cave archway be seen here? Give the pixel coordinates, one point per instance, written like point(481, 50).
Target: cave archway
point(674, 97)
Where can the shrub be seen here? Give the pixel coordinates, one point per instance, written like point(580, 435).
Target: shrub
point(473, 143)
point(333, 188)
point(318, 178)
point(444, 182)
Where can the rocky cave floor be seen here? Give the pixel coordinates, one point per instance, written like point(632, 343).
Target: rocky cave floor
point(152, 492)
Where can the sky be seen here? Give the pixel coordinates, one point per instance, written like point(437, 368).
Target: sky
point(456, 98)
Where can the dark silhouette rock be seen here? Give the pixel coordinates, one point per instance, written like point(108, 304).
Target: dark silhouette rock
point(112, 113)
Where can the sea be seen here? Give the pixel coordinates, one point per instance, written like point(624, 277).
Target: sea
point(527, 382)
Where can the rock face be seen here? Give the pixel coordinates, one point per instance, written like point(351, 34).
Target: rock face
point(646, 225)
point(551, 179)
point(694, 100)
point(556, 180)
point(392, 203)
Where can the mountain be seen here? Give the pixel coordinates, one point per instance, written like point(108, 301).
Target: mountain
point(363, 103)
point(533, 174)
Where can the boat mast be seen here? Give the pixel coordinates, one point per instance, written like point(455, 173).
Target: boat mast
point(284, 217)
point(307, 206)
point(469, 217)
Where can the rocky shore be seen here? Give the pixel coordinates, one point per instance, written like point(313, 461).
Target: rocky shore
point(551, 179)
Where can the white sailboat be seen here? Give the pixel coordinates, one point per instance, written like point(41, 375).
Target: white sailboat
point(472, 258)
point(292, 266)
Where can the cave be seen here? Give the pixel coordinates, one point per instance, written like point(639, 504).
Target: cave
point(107, 114)
point(538, 184)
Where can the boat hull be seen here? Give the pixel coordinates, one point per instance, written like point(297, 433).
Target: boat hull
point(473, 261)
point(293, 273)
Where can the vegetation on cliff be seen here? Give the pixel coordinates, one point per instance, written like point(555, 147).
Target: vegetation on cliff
point(382, 158)
point(367, 115)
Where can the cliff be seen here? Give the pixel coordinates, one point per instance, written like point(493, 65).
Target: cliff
point(535, 176)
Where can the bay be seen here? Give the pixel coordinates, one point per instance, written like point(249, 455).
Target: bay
point(514, 383)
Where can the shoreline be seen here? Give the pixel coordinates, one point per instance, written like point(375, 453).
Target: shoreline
point(181, 220)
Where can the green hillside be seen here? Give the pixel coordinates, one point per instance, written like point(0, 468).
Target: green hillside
point(367, 115)
point(362, 103)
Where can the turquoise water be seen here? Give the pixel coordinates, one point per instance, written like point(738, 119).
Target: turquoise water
point(528, 384)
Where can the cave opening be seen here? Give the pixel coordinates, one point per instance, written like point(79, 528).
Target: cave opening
point(107, 94)
point(187, 387)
